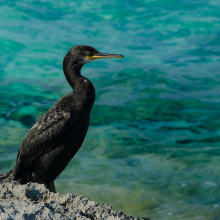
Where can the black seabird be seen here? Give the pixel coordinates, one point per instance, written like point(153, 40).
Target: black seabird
point(57, 135)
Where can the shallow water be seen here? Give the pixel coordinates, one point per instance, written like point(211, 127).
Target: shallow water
point(152, 148)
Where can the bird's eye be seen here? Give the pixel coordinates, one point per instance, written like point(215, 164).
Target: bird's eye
point(88, 53)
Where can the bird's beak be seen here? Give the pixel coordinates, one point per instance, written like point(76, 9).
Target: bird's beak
point(104, 55)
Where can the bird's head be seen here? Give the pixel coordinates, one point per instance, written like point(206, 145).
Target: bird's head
point(82, 54)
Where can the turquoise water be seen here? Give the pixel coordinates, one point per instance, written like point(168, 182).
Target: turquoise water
point(153, 146)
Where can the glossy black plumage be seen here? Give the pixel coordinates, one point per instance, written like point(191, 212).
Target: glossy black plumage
point(56, 136)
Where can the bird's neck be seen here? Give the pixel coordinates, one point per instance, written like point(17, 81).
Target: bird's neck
point(72, 73)
point(84, 91)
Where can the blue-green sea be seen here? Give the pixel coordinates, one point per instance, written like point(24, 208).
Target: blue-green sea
point(153, 145)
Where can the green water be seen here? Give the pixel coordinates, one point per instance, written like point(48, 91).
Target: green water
point(153, 146)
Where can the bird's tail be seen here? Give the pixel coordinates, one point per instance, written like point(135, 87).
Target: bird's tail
point(6, 177)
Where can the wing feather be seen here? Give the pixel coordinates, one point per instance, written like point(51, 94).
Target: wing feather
point(43, 137)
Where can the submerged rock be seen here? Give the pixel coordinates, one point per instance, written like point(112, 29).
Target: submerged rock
point(34, 201)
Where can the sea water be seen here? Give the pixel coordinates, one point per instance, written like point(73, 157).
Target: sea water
point(153, 145)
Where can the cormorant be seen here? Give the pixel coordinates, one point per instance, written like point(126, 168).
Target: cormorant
point(57, 135)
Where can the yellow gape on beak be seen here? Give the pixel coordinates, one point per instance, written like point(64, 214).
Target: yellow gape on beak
point(103, 55)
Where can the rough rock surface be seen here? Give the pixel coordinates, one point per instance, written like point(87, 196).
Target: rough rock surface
point(33, 201)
